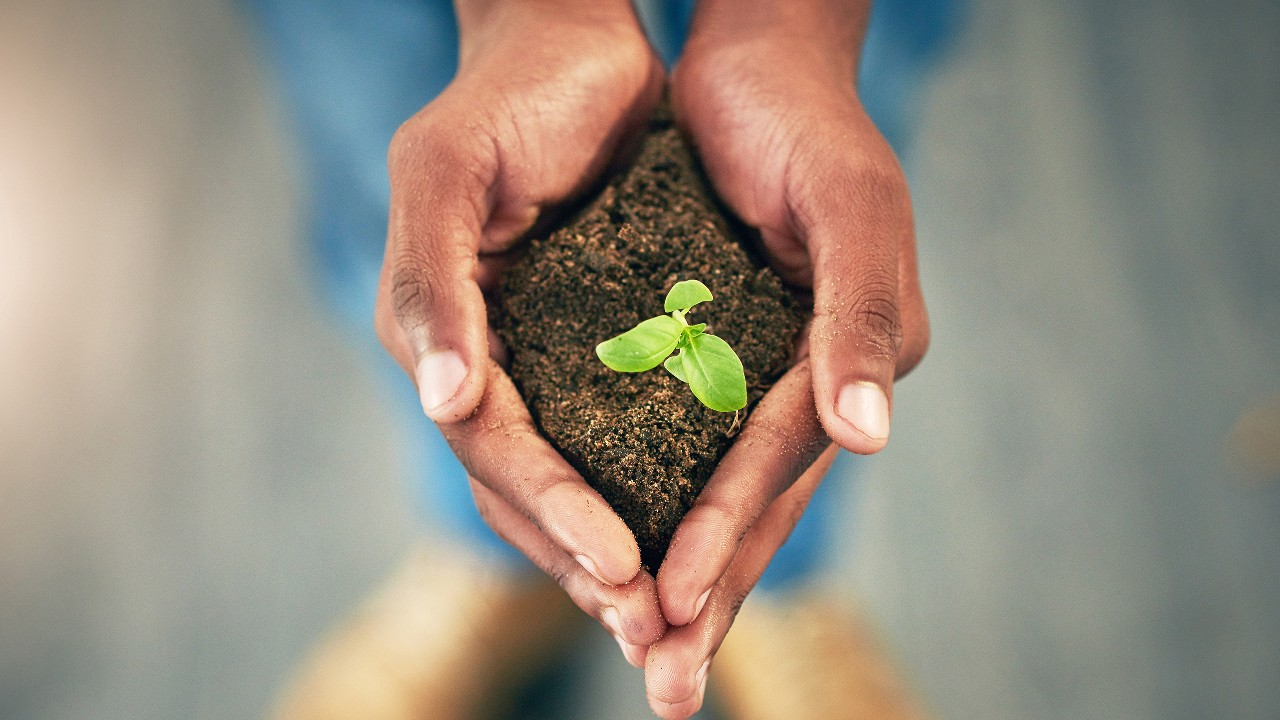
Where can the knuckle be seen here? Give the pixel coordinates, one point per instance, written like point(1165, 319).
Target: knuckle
point(575, 581)
point(876, 186)
point(403, 143)
point(727, 520)
point(563, 575)
point(411, 143)
point(426, 275)
point(542, 489)
point(882, 174)
point(412, 292)
point(870, 184)
point(425, 142)
point(876, 321)
point(868, 316)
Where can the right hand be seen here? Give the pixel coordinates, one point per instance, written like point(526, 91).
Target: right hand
point(789, 147)
point(545, 95)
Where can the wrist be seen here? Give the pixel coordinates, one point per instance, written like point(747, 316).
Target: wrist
point(822, 35)
point(486, 25)
point(477, 17)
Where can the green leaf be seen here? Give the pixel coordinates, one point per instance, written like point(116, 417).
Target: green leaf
point(685, 294)
point(714, 373)
point(675, 366)
point(643, 346)
point(697, 329)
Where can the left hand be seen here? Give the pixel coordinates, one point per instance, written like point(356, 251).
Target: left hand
point(546, 93)
point(768, 96)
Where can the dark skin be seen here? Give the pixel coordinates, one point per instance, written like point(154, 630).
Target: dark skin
point(548, 91)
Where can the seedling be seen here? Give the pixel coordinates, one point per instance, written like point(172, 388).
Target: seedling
point(709, 366)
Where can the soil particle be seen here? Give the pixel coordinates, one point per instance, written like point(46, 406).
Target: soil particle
point(641, 439)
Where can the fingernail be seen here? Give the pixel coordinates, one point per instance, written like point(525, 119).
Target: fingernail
point(612, 620)
point(866, 408)
point(440, 375)
point(697, 607)
point(701, 677)
point(634, 654)
point(590, 566)
point(661, 708)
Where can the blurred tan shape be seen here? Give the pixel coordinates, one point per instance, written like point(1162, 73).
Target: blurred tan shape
point(810, 658)
point(442, 640)
point(1252, 446)
point(449, 638)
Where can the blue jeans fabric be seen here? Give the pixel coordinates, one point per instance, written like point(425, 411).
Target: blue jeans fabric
point(351, 71)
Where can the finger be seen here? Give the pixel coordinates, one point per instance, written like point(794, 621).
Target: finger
point(677, 665)
point(541, 485)
point(685, 708)
point(431, 313)
point(854, 228)
point(781, 439)
point(629, 611)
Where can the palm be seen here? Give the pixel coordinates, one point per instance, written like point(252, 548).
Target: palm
point(773, 139)
point(543, 123)
point(522, 130)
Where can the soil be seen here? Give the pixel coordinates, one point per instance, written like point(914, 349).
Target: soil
point(641, 439)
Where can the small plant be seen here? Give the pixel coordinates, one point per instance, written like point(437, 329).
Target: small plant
point(707, 363)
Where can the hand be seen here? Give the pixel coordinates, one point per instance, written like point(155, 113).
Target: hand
point(545, 94)
point(767, 94)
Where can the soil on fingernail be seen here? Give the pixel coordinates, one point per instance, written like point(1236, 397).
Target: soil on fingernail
point(641, 439)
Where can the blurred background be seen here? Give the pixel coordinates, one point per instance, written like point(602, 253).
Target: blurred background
point(1078, 517)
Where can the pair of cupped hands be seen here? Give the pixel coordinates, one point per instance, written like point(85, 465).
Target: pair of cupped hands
point(547, 95)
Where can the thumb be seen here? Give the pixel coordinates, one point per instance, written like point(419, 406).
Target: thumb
point(431, 313)
point(854, 230)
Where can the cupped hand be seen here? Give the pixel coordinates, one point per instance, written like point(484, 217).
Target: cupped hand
point(545, 95)
point(771, 105)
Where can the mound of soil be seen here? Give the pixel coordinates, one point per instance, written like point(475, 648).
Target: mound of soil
point(641, 439)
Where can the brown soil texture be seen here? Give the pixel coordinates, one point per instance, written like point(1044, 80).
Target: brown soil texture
point(641, 439)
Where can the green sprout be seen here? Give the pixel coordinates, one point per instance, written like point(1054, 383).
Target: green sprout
point(707, 363)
